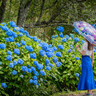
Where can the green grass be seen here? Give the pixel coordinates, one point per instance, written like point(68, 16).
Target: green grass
point(64, 93)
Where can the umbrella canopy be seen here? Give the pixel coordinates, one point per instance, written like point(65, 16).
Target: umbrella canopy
point(86, 30)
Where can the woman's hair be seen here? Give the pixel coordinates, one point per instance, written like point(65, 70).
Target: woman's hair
point(90, 46)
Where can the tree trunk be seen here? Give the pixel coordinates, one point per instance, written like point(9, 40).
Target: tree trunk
point(22, 13)
point(2, 10)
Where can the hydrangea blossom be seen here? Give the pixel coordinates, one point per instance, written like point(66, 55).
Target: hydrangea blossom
point(77, 58)
point(20, 61)
point(34, 77)
point(22, 42)
point(17, 51)
point(48, 68)
point(46, 61)
point(77, 74)
point(60, 29)
point(60, 47)
point(49, 54)
point(11, 39)
point(35, 63)
point(12, 24)
point(9, 53)
point(3, 85)
point(58, 64)
point(11, 65)
point(14, 72)
point(30, 81)
point(61, 35)
point(18, 44)
point(55, 59)
point(76, 39)
point(33, 55)
point(42, 52)
point(14, 62)
point(58, 54)
point(42, 72)
point(2, 46)
point(9, 57)
point(64, 40)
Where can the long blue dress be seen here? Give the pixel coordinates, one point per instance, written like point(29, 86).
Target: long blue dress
point(86, 81)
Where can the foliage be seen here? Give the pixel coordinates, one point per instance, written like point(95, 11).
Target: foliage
point(24, 60)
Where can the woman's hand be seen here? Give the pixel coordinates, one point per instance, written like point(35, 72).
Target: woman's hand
point(77, 47)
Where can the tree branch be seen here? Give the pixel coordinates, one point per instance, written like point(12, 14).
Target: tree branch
point(42, 6)
point(51, 5)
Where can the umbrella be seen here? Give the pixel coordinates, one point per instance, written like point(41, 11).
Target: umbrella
point(86, 30)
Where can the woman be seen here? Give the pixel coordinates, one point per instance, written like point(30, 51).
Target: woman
point(86, 81)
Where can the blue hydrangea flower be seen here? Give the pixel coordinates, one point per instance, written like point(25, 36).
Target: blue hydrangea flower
point(14, 34)
point(58, 54)
point(48, 68)
point(34, 77)
point(64, 40)
point(33, 69)
point(29, 48)
point(18, 45)
point(60, 29)
point(77, 74)
point(3, 85)
point(50, 45)
point(67, 37)
point(2, 46)
point(33, 55)
point(36, 73)
point(9, 33)
point(82, 41)
point(35, 82)
point(4, 28)
point(35, 38)
point(47, 61)
point(61, 35)
point(9, 53)
point(30, 81)
point(35, 63)
point(54, 48)
point(11, 65)
point(17, 51)
point(60, 47)
point(55, 59)
point(69, 50)
point(29, 70)
point(12, 24)
point(76, 39)
point(42, 52)
point(39, 66)
point(7, 39)
point(24, 68)
point(75, 30)
point(14, 62)
point(71, 46)
point(0, 62)
point(20, 61)
point(20, 35)
point(14, 72)
point(51, 65)
point(9, 57)
point(11, 39)
point(22, 42)
point(77, 58)
point(73, 50)
point(58, 64)
point(42, 72)
point(49, 54)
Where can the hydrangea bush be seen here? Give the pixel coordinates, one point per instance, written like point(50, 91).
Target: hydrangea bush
point(25, 61)
point(69, 73)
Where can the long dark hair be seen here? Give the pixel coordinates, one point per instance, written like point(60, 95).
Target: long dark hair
point(90, 46)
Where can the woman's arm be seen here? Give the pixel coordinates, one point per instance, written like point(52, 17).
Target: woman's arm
point(92, 58)
point(81, 52)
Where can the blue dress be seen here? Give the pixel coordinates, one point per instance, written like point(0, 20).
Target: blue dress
point(86, 81)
